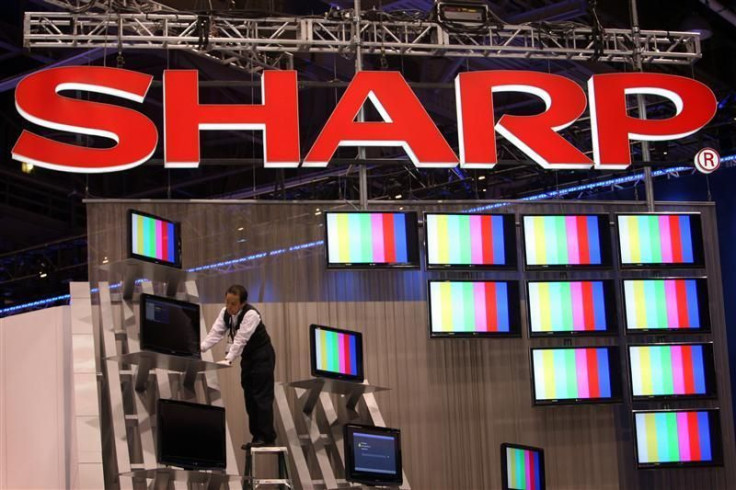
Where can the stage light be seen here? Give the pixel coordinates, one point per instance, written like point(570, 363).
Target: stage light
point(468, 12)
point(26, 167)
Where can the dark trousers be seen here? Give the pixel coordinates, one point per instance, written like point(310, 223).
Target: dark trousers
point(257, 379)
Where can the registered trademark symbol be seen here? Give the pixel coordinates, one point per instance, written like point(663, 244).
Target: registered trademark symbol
point(707, 160)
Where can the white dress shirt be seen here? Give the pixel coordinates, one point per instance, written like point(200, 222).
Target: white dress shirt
point(244, 332)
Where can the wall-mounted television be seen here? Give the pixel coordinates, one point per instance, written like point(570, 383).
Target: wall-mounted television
point(666, 305)
point(190, 435)
point(566, 241)
point(169, 326)
point(678, 438)
point(470, 241)
point(660, 240)
point(336, 353)
point(571, 307)
point(575, 375)
point(474, 309)
point(522, 467)
point(154, 239)
point(372, 239)
point(672, 371)
point(372, 455)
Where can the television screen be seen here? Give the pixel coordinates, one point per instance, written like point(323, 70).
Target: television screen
point(372, 455)
point(672, 370)
point(575, 375)
point(522, 467)
point(660, 240)
point(474, 308)
point(190, 435)
point(571, 308)
point(358, 239)
point(154, 239)
point(336, 353)
point(678, 438)
point(169, 326)
point(470, 240)
point(566, 241)
point(676, 305)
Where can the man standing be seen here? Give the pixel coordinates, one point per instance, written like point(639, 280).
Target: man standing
point(247, 337)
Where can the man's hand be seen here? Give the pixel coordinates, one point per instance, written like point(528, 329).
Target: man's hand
point(203, 347)
point(225, 362)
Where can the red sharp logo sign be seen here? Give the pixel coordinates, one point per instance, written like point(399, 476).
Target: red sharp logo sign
point(405, 123)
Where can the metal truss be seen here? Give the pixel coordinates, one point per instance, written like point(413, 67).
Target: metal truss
point(271, 42)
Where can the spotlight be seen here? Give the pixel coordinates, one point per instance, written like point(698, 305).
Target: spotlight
point(26, 167)
point(468, 12)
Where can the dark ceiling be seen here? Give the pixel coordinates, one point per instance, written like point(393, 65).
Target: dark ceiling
point(42, 215)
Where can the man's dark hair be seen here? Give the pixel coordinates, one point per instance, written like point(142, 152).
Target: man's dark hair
point(240, 291)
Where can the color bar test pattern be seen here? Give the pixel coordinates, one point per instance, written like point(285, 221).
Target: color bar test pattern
point(562, 240)
point(455, 239)
point(469, 307)
point(367, 238)
point(336, 352)
point(153, 238)
point(567, 306)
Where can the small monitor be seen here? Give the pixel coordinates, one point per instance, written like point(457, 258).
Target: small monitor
point(522, 467)
point(470, 241)
point(660, 240)
point(169, 326)
point(190, 435)
point(566, 241)
point(372, 455)
point(666, 305)
point(372, 240)
point(571, 308)
point(672, 371)
point(474, 309)
point(336, 353)
point(678, 438)
point(562, 375)
point(154, 239)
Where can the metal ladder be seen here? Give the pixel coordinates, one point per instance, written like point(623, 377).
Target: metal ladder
point(252, 482)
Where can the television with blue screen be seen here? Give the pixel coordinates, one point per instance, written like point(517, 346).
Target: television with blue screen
point(566, 241)
point(154, 239)
point(660, 240)
point(372, 455)
point(372, 239)
point(522, 467)
point(336, 353)
point(470, 241)
point(678, 438)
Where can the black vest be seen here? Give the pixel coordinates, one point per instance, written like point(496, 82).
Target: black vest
point(259, 338)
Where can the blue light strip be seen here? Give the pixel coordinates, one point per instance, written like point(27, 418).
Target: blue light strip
point(294, 248)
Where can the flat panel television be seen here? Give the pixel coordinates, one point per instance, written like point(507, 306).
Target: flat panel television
point(672, 371)
point(154, 239)
point(368, 240)
point(190, 435)
point(522, 467)
point(660, 240)
point(169, 326)
point(474, 309)
point(678, 438)
point(666, 305)
point(566, 241)
point(571, 308)
point(336, 353)
point(372, 455)
point(575, 375)
point(470, 241)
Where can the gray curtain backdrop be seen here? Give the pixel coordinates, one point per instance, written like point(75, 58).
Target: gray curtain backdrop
point(455, 400)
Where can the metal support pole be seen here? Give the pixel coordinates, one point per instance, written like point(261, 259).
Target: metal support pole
point(362, 169)
point(645, 154)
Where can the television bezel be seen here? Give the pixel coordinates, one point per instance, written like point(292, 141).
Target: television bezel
point(711, 381)
point(142, 320)
point(609, 296)
point(614, 369)
point(714, 419)
point(604, 234)
point(189, 463)
point(509, 238)
point(177, 245)
point(698, 245)
point(701, 283)
point(504, 461)
point(318, 373)
point(411, 247)
point(365, 478)
point(514, 313)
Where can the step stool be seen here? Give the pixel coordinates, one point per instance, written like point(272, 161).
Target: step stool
point(252, 482)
